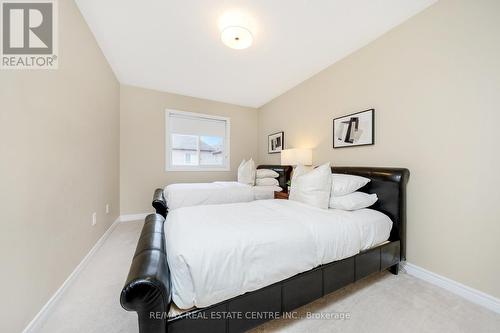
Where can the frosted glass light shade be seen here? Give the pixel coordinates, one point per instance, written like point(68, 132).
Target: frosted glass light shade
point(237, 37)
point(296, 156)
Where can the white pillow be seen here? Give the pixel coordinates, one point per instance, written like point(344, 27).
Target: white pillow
point(353, 201)
point(266, 173)
point(313, 187)
point(300, 170)
point(246, 172)
point(267, 182)
point(346, 184)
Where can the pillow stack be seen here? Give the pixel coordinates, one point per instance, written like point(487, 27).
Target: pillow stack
point(320, 188)
point(266, 177)
point(246, 172)
point(345, 195)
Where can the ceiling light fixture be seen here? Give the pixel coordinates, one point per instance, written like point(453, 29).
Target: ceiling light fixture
point(235, 29)
point(236, 37)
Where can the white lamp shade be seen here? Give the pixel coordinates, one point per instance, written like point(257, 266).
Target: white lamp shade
point(296, 156)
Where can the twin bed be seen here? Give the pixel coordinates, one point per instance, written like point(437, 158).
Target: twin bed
point(223, 263)
point(194, 194)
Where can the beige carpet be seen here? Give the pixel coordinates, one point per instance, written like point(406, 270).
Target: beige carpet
point(383, 303)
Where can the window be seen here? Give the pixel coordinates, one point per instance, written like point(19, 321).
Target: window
point(196, 142)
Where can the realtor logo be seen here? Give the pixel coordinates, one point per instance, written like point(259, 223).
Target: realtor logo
point(29, 34)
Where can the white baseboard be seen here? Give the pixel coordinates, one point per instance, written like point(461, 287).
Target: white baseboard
point(455, 287)
point(35, 323)
point(133, 217)
point(42, 314)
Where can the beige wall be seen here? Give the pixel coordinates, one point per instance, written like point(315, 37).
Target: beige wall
point(59, 151)
point(435, 84)
point(142, 143)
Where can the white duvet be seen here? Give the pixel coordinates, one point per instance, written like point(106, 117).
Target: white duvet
point(195, 194)
point(221, 251)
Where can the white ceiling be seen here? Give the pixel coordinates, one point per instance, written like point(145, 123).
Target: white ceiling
point(174, 45)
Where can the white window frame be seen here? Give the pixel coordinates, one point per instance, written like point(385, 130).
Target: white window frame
point(168, 150)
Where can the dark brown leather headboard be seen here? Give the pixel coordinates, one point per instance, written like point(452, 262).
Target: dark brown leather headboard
point(285, 171)
point(390, 186)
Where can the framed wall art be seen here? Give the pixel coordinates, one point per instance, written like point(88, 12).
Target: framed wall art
point(357, 129)
point(275, 142)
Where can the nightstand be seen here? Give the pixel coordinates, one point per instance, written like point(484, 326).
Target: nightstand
point(281, 195)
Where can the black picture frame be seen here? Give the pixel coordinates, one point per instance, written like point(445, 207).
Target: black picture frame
point(280, 138)
point(353, 121)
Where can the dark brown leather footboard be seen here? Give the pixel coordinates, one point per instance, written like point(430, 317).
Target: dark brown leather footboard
point(159, 202)
point(147, 289)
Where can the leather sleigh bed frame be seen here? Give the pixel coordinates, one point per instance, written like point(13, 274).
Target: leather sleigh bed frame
point(160, 204)
point(147, 289)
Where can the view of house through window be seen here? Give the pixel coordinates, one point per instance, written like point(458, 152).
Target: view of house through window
point(196, 141)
